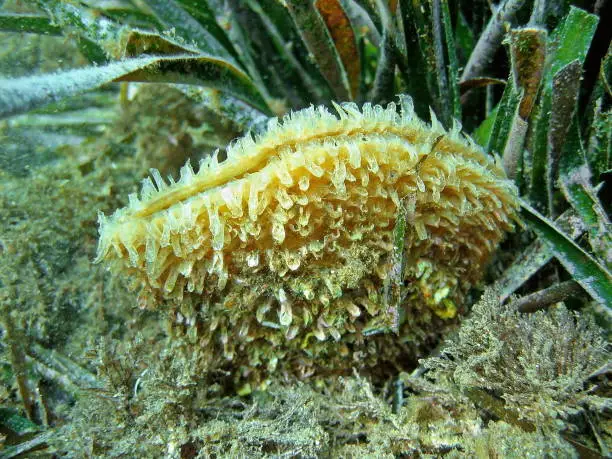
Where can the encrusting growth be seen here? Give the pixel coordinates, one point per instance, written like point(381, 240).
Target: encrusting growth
point(278, 255)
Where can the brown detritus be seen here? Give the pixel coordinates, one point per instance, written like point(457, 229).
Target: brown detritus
point(528, 52)
point(544, 298)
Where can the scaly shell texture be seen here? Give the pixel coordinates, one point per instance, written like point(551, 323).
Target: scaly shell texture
point(276, 258)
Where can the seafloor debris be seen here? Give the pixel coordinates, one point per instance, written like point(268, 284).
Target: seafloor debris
point(288, 242)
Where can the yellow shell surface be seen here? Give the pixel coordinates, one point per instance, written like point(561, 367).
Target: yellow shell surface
point(294, 229)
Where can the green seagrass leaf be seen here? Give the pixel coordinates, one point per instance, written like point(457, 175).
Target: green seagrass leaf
point(416, 76)
point(567, 48)
point(342, 33)
point(28, 23)
point(280, 49)
point(453, 95)
point(464, 35)
point(535, 256)
point(125, 14)
point(320, 44)
point(11, 419)
point(139, 42)
point(528, 55)
point(580, 194)
point(482, 134)
point(23, 94)
point(599, 149)
point(576, 183)
point(506, 111)
point(583, 268)
point(95, 34)
point(201, 33)
point(202, 12)
point(200, 70)
point(431, 26)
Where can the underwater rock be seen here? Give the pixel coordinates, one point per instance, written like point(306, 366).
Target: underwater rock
point(280, 253)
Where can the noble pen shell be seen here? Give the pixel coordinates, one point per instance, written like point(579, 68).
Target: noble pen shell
point(289, 239)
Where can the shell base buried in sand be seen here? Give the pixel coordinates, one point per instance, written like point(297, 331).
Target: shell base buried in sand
point(281, 254)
